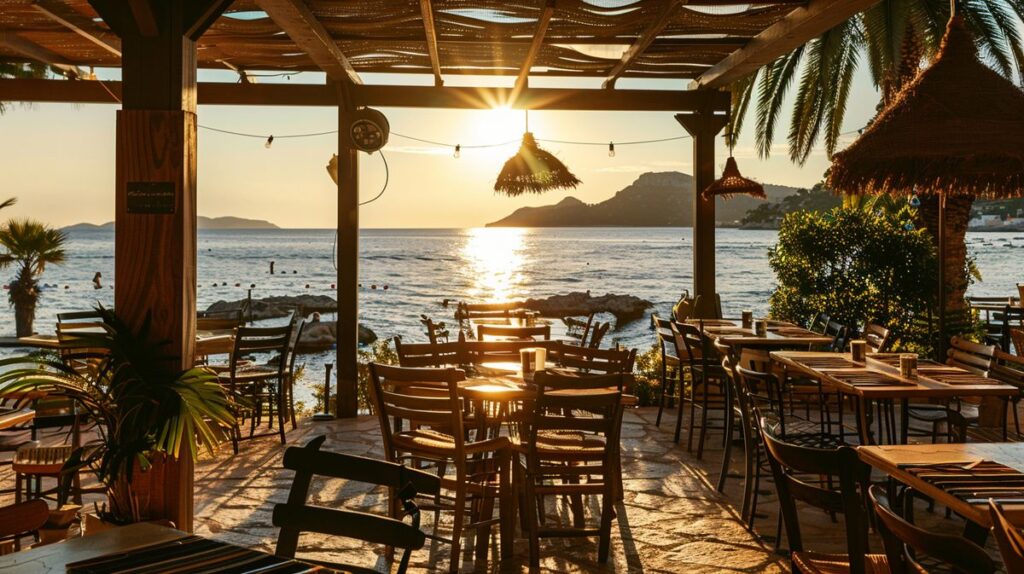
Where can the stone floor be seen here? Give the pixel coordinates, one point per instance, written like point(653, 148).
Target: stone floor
point(672, 519)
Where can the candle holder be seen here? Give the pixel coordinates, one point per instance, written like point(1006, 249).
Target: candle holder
point(858, 350)
point(747, 319)
point(761, 327)
point(541, 359)
point(526, 362)
point(908, 366)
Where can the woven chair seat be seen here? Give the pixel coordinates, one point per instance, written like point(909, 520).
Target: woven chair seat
point(34, 459)
point(819, 563)
point(436, 442)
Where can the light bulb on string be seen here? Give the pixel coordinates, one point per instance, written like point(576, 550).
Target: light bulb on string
point(270, 141)
point(611, 149)
point(458, 151)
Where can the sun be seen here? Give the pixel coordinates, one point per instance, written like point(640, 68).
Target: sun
point(498, 124)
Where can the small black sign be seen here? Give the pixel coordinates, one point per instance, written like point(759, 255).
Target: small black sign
point(151, 197)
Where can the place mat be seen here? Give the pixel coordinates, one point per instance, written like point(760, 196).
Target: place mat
point(957, 378)
point(974, 482)
point(829, 362)
point(192, 555)
point(865, 378)
point(793, 332)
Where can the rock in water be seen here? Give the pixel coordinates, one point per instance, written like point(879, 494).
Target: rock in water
point(324, 334)
point(626, 308)
point(277, 307)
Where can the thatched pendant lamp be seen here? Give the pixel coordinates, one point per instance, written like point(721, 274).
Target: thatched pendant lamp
point(733, 183)
point(533, 170)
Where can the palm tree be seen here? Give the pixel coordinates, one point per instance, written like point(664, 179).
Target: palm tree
point(894, 37)
point(31, 246)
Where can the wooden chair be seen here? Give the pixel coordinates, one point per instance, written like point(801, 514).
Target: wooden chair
point(805, 474)
point(839, 334)
point(819, 323)
point(421, 420)
point(508, 332)
point(902, 540)
point(450, 354)
point(671, 367)
point(1017, 336)
point(1008, 537)
point(260, 387)
point(288, 396)
point(578, 330)
point(971, 357)
point(479, 352)
point(1009, 369)
point(216, 324)
point(879, 338)
point(572, 448)
point(22, 519)
point(597, 335)
point(296, 516)
point(707, 392)
point(592, 361)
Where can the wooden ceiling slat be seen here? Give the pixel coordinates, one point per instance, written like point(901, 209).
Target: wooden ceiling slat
point(26, 48)
point(79, 24)
point(535, 45)
point(654, 28)
point(299, 23)
point(430, 32)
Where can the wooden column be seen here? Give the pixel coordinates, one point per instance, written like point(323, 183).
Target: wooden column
point(155, 238)
point(348, 266)
point(703, 125)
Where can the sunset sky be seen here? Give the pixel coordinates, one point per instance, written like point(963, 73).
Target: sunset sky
point(58, 159)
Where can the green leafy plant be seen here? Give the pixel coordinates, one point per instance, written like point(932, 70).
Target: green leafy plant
point(31, 246)
point(137, 407)
point(856, 265)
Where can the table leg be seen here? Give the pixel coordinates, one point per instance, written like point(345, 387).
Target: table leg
point(863, 426)
point(904, 420)
point(506, 504)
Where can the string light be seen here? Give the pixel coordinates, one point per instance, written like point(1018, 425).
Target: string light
point(270, 141)
point(458, 151)
point(611, 149)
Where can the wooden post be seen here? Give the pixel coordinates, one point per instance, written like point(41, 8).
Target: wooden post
point(348, 265)
point(703, 125)
point(155, 237)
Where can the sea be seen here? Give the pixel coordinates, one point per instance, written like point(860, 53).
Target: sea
point(405, 273)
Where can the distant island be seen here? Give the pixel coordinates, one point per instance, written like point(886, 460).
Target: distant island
point(202, 222)
point(662, 199)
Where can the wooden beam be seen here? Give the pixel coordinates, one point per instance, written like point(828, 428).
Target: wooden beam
point(430, 31)
point(523, 79)
point(301, 25)
point(643, 42)
point(798, 27)
point(201, 14)
point(34, 51)
point(79, 24)
point(145, 20)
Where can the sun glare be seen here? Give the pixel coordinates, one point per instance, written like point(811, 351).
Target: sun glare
point(496, 125)
point(494, 259)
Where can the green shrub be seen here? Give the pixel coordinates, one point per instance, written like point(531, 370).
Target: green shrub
point(856, 265)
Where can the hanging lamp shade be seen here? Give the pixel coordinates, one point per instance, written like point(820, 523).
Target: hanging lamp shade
point(533, 170)
point(733, 183)
point(956, 129)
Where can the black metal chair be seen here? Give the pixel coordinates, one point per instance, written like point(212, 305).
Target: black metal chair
point(707, 391)
point(296, 516)
point(671, 366)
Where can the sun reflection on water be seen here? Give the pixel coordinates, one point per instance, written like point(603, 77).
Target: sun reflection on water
point(495, 259)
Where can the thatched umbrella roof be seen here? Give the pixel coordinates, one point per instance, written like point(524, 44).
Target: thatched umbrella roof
point(733, 183)
point(956, 129)
point(533, 170)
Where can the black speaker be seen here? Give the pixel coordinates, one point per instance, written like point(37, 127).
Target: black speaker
point(368, 130)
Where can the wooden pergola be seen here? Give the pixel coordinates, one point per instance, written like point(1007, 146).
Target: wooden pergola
point(159, 45)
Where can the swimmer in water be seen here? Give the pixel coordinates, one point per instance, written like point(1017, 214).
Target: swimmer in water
point(97, 281)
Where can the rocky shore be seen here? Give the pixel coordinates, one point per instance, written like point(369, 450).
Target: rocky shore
point(316, 336)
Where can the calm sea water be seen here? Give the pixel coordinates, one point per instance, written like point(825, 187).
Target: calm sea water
point(421, 267)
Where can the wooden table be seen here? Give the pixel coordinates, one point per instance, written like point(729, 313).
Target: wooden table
point(207, 342)
point(878, 379)
point(52, 558)
point(779, 334)
point(892, 460)
point(14, 417)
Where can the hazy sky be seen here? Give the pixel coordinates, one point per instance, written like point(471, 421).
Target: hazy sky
point(58, 159)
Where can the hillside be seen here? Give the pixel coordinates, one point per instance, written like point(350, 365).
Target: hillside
point(653, 200)
point(202, 222)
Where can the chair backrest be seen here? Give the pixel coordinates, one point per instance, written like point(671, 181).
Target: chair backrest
point(839, 333)
point(423, 398)
point(466, 311)
point(296, 516)
point(1008, 537)
point(511, 332)
point(970, 356)
point(578, 329)
point(1017, 336)
point(22, 519)
point(293, 344)
point(594, 361)
point(477, 352)
point(445, 354)
point(216, 323)
point(663, 331)
point(690, 344)
point(1007, 368)
point(879, 338)
point(262, 340)
point(589, 404)
point(792, 465)
point(900, 537)
point(707, 307)
point(819, 323)
point(598, 333)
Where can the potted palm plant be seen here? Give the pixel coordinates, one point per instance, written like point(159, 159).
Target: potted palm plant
point(139, 411)
point(31, 246)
